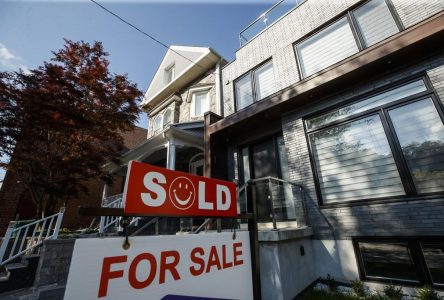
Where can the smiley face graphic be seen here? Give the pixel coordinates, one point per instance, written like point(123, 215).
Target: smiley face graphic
point(182, 193)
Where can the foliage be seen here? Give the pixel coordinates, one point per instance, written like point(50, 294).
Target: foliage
point(316, 294)
point(393, 293)
point(427, 293)
point(331, 283)
point(60, 123)
point(358, 288)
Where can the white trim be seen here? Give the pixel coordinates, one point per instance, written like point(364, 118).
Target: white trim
point(155, 128)
point(193, 103)
point(163, 116)
point(191, 65)
point(171, 67)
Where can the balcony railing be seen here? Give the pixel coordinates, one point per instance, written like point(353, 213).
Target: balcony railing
point(266, 19)
point(279, 203)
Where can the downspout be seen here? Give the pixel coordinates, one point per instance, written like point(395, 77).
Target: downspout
point(219, 104)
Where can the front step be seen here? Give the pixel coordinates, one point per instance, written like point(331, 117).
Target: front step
point(21, 274)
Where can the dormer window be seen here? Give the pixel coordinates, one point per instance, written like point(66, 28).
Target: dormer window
point(169, 74)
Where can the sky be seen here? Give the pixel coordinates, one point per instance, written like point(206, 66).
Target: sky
point(31, 29)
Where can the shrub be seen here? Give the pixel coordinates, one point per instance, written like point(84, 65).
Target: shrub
point(358, 288)
point(331, 283)
point(393, 293)
point(427, 293)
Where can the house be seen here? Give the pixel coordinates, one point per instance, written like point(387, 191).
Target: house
point(16, 203)
point(333, 116)
point(186, 85)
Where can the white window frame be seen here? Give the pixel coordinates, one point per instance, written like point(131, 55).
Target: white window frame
point(193, 102)
point(170, 68)
point(155, 128)
point(163, 117)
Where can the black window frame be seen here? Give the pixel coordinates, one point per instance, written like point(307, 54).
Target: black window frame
point(417, 255)
point(251, 74)
point(250, 146)
point(383, 112)
point(357, 34)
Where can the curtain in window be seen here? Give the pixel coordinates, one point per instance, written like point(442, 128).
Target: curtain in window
point(264, 80)
point(375, 21)
point(354, 161)
point(420, 133)
point(327, 47)
point(244, 94)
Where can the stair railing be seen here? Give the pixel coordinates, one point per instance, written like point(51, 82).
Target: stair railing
point(113, 221)
point(18, 241)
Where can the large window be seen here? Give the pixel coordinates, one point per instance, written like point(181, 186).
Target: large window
point(401, 260)
point(372, 22)
point(387, 145)
point(200, 103)
point(254, 86)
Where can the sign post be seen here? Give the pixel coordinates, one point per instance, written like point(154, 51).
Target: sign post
point(210, 262)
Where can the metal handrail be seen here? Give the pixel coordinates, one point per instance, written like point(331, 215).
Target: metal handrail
point(14, 233)
point(202, 226)
point(270, 179)
point(264, 17)
point(151, 222)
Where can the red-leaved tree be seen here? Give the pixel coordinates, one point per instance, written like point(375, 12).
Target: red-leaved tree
point(61, 122)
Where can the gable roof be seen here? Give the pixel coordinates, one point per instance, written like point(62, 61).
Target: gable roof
point(189, 63)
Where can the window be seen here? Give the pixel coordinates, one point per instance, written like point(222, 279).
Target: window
point(375, 22)
point(326, 47)
point(353, 147)
point(372, 22)
point(402, 260)
point(167, 117)
point(157, 126)
point(169, 74)
point(255, 85)
point(200, 103)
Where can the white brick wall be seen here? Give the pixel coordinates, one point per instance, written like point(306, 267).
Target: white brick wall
point(277, 41)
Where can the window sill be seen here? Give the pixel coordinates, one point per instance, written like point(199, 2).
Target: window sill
point(381, 201)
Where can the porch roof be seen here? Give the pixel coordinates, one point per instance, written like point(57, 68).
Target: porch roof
point(179, 134)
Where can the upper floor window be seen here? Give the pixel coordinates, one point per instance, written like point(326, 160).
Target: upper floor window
point(390, 144)
point(373, 22)
point(157, 126)
point(327, 47)
point(200, 103)
point(167, 117)
point(255, 85)
point(169, 74)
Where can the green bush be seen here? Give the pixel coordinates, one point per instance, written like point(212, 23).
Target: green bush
point(427, 293)
point(331, 283)
point(358, 288)
point(316, 294)
point(393, 293)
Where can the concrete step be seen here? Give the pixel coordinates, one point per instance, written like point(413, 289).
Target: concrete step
point(21, 275)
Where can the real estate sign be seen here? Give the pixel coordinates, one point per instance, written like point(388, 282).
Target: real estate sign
point(162, 267)
point(151, 190)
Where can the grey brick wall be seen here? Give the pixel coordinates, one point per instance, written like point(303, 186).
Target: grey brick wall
point(414, 217)
point(277, 40)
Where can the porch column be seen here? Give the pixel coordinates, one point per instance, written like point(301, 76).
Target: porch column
point(171, 155)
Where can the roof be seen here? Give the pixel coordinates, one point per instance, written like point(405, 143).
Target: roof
point(189, 63)
point(134, 137)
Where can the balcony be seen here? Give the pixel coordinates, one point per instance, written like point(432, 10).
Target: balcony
point(266, 19)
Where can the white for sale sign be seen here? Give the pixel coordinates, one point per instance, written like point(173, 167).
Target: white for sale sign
point(162, 267)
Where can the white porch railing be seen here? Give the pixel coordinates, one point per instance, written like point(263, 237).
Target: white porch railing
point(107, 222)
point(17, 241)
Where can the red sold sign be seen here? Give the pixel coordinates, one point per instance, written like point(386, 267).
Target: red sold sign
point(150, 190)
